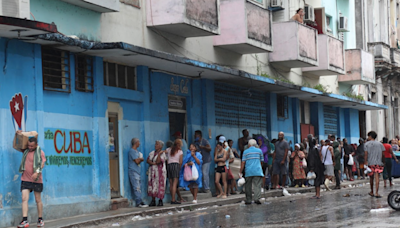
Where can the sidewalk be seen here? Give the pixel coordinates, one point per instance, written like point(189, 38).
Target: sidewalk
point(204, 200)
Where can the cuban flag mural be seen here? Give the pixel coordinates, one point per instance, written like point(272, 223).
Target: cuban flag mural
point(19, 114)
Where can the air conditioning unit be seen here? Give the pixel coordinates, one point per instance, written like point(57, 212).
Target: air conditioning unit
point(309, 13)
point(277, 3)
point(343, 25)
point(15, 8)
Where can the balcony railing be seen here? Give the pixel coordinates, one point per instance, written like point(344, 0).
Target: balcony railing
point(245, 27)
point(331, 57)
point(360, 68)
point(102, 6)
point(295, 45)
point(186, 18)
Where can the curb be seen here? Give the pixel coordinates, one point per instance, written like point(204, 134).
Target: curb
point(191, 207)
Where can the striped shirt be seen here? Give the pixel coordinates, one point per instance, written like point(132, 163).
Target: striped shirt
point(253, 158)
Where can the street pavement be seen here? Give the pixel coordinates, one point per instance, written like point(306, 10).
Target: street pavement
point(349, 207)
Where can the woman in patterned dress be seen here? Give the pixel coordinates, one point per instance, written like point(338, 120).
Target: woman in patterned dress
point(157, 174)
point(298, 171)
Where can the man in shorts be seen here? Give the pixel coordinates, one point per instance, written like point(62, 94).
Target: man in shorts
point(278, 165)
point(374, 155)
point(31, 167)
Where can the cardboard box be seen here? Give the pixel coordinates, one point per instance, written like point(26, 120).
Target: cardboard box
point(21, 139)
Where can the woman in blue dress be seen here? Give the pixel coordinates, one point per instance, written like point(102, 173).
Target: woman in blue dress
point(192, 158)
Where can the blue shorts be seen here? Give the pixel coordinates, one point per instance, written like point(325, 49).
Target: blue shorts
point(277, 168)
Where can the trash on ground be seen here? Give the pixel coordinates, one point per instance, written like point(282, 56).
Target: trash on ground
point(136, 217)
point(267, 203)
point(346, 195)
point(170, 213)
point(285, 192)
point(200, 209)
point(215, 206)
point(380, 210)
point(157, 215)
point(227, 216)
point(115, 224)
point(148, 217)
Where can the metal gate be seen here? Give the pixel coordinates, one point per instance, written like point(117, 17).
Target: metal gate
point(330, 120)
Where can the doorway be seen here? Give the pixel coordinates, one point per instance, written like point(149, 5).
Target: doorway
point(362, 123)
point(113, 154)
point(177, 115)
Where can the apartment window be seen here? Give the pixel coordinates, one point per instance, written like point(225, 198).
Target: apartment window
point(120, 76)
point(84, 73)
point(56, 70)
point(282, 106)
point(329, 23)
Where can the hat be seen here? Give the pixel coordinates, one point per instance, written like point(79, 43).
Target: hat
point(298, 145)
point(222, 139)
point(178, 133)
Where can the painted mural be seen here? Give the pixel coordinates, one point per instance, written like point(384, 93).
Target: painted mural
point(68, 147)
point(19, 111)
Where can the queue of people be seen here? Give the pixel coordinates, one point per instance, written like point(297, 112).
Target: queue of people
point(264, 165)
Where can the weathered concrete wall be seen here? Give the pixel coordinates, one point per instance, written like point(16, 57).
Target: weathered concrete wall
point(307, 42)
point(258, 23)
point(205, 11)
point(336, 53)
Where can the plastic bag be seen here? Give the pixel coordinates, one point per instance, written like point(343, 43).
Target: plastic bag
point(195, 173)
point(311, 176)
point(187, 173)
point(367, 170)
point(351, 160)
point(241, 182)
point(304, 163)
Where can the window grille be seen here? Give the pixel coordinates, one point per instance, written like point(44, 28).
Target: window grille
point(56, 70)
point(120, 76)
point(84, 73)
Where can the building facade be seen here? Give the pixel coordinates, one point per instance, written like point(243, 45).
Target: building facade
point(90, 75)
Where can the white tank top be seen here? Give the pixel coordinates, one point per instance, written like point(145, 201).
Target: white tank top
point(328, 159)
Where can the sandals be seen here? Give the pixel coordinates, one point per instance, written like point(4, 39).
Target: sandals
point(223, 197)
point(371, 194)
point(378, 196)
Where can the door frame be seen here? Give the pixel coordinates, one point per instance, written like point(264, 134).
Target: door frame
point(115, 108)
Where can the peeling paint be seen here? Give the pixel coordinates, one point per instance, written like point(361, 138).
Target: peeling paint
point(15, 177)
point(307, 42)
point(1, 201)
point(258, 23)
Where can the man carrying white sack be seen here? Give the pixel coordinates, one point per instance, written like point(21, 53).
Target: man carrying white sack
point(252, 164)
point(31, 167)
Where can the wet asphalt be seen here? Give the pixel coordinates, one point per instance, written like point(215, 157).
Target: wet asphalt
point(334, 209)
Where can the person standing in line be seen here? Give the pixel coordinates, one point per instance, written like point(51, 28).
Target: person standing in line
point(192, 158)
point(220, 172)
point(360, 153)
point(135, 158)
point(298, 171)
point(175, 157)
point(279, 164)
point(243, 141)
point(264, 149)
point(315, 165)
point(252, 163)
point(328, 159)
point(32, 164)
point(389, 155)
point(234, 150)
point(374, 155)
point(157, 174)
point(169, 144)
point(395, 144)
point(205, 149)
point(337, 166)
point(178, 135)
point(348, 150)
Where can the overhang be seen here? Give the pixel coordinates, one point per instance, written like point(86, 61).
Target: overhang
point(136, 56)
point(11, 27)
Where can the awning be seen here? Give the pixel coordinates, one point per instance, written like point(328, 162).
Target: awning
point(134, 56)
point(11, 27)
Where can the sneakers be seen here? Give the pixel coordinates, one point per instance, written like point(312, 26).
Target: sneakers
point(303, 186)
point(296, 186)
point(326, 184)
point(194, 201)
point(257, 202)
point(141, 205)
point(40, 223)
point(24, 224)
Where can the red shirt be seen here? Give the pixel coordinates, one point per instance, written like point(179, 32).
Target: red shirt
point(387, 150)
point(28, 172)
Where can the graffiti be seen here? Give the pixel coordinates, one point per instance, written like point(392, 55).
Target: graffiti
point(19, 111)
point(61, 142)
point(68, 160)
point(182, 87)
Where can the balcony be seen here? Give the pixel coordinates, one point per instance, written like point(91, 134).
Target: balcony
point(186, 18)
point(381, 52)
point(360, 68)
point(295, 45)
point(395, 58)
point(331, 57)
point(101, 6)
point(245, 27)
